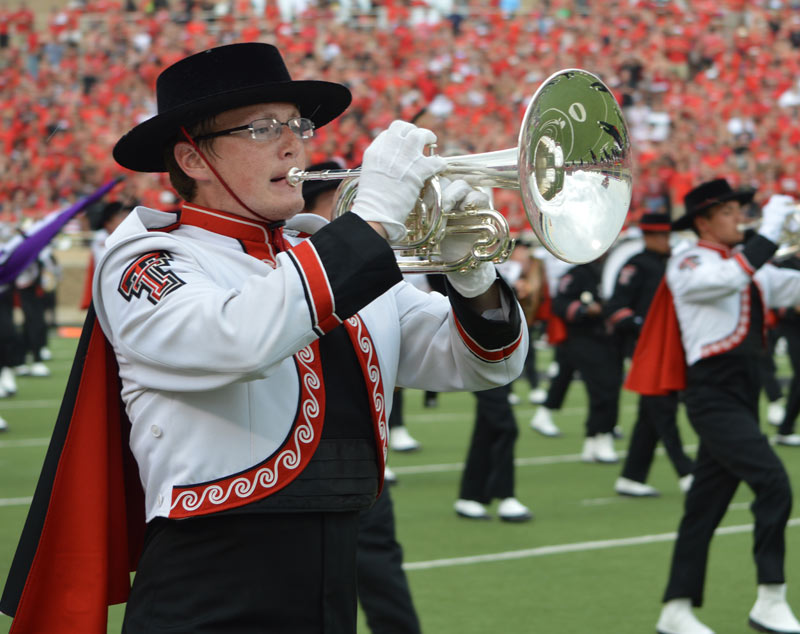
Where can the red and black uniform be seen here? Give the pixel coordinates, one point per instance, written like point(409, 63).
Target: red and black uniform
point(589, 348)
point(789, 328)
point(627, 308)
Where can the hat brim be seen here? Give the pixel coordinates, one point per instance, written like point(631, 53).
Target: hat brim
point(687, 220)
point(142, 149)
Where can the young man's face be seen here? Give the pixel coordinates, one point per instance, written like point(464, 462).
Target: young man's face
point(255, 170)
point(722, 224)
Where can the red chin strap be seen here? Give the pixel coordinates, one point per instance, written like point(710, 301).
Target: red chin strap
point(274, 227)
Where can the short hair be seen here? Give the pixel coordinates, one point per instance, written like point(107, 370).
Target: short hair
point(184, 184)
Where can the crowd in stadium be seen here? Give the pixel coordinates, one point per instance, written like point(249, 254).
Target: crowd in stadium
point(709, 88)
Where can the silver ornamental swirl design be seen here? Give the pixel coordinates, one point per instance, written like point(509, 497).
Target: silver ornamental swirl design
point(267, 476)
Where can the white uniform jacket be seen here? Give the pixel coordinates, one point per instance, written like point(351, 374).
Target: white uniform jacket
point(710, 285)
point(217, 348)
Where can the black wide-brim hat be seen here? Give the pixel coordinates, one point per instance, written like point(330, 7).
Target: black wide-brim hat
point(707, 195)
point(217, 80)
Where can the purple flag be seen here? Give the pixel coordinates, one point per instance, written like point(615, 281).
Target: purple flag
point(19, 252)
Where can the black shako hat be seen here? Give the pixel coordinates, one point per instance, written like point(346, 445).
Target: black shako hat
point(706, 195)
point(220, 79)
point(655, 222)
point(313, 188)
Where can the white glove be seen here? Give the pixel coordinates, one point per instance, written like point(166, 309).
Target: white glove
point(773, 216)
point(475, 281)
point(392, 176)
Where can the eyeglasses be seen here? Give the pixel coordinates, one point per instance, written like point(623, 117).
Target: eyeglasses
point(268, 129)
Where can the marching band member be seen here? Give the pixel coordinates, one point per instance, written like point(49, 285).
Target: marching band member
point(627, 308)
point(383, 590)
point(589, 349)
point(257, 365)
point(705, 332)
point(789, 328)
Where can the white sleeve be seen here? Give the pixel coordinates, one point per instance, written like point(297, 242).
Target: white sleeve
point(194, 333)
point(445, 347)
point(162, 309)
point(781, 286)
point(699, 277)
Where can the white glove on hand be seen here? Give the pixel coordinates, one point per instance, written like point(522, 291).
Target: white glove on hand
point(392, 175)
point(773, 216)
point(477, 281)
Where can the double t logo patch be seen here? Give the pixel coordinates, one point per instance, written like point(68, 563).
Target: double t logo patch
point(149, 274)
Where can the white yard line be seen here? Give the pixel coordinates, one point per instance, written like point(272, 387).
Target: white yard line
point(559, 549)
point(24, 442)
point(556, 549)
point(519, 410)
point(15, 501)
point(519, 462)
point(13, 403)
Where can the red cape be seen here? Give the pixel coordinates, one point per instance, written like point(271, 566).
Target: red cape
point(85, 527)
point(556, 328)
point(659, 364)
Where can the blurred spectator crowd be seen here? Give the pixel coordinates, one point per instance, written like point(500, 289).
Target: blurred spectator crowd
point(709, 87)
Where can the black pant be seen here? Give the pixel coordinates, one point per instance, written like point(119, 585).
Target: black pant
point(790, 330)
point(769, 378)
point(722, 403)
point(382, 584)
point(489, 470)
point(656, 421)
point(245, 573)
point(559, 384)
point(35, 328)
point(396, 417)
point(11, 352)
point(599, 361)
point(529, 370)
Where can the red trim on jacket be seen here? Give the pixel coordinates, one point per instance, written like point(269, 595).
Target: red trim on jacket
point(619, 315)
point(364, 347)
point(743, 262)
point(283, 466)
point(743, 325)
point(494, 355)
point(723, 250)
point(572, 310)
point(256, 237)
point(737, 336)
point(317, 288)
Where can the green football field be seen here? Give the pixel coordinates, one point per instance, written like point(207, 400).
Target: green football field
point(590, 561)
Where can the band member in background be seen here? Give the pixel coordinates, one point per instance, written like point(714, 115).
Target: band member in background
point(789, 328)
point(704, 332)
point(560, 371)
point(590, 349)
point(258, 364)
point(627, 308)
point(320, 199)
point(531, 290)
point(103, 222)
point(489, 470)
point(382, 584)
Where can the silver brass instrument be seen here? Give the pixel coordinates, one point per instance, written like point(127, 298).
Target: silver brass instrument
point(789, 240)
point(572, 166)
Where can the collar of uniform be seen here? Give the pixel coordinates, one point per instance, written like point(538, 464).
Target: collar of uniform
point(259, 239)
point(723, 250)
